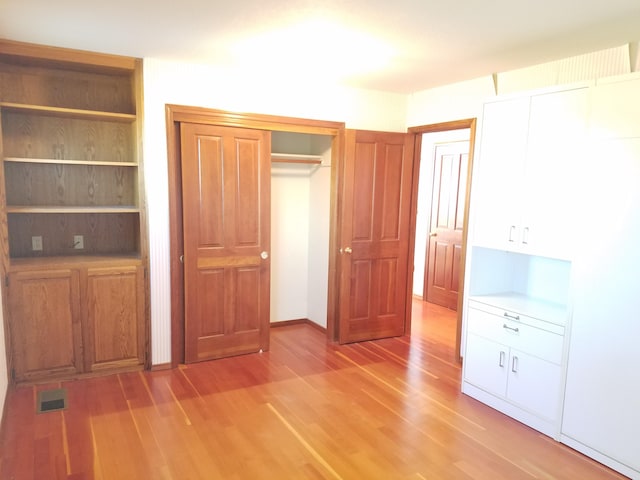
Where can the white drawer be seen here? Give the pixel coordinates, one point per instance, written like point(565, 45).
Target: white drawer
point(517, 315)
point(516, 334)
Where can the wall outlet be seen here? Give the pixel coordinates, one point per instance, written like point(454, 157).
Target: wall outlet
point(78, 242)
point(36, 243)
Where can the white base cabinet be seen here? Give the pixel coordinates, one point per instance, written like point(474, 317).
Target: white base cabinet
point(513, 361)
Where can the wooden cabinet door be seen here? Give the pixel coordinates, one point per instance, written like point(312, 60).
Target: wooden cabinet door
point(496, 194)
point(374, 235)
point(114, 335)
point(226, 174)
point(44, 322)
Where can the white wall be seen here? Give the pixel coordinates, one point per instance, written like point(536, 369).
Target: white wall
point(290, 201)
point(186, 84)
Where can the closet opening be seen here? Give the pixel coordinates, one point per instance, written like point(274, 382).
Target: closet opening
point(299, 170)
point(300, 227)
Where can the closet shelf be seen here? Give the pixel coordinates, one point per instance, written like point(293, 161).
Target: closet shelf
point(296, 158)
point(68, 112)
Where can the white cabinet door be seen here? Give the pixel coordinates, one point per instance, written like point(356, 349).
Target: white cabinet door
point(486, 364)
point(534, 384)
point(555, 147)
point(496, 190)
point(615, 108)
point(602, 396)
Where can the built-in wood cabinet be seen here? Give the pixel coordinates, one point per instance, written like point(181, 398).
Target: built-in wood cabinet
point(73, 208)
point(44, 319)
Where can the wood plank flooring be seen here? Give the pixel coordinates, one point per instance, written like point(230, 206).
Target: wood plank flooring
point(389, 409)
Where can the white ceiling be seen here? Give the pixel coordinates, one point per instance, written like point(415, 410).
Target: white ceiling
point(398, 46)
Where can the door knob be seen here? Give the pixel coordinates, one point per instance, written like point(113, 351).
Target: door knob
point(348, 250)
point(433, 234)
point(264, 255)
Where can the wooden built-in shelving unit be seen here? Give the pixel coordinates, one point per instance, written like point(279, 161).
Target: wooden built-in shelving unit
point(71, 167)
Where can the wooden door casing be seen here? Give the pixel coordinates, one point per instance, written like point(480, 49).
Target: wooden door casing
point(444, 248)
point(225, 195)
point(374, 231)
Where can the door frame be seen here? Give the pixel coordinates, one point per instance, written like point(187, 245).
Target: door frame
point(469, 123)
point(177, 114)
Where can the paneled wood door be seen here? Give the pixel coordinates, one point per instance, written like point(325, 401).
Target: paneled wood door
point(114, 336)
point(225, 194)
point(447, 224)
point(374, 233)
point(44, 308)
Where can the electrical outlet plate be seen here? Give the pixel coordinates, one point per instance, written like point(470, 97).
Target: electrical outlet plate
point(78, 242)
point(36, 243)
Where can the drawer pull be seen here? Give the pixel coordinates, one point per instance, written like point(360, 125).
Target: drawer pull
point(514, 365)
point(513, 317)
point(516, 329)
point(502, 358)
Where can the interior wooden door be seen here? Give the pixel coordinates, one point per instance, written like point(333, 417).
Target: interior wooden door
point(444, 248)
point(374, 233)
point(225, 198)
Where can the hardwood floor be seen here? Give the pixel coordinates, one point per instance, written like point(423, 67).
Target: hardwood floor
point(389, 409)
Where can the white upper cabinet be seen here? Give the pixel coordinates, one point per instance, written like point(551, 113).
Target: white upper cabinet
point(524, 196)
point(555, 148)
point(496, 190)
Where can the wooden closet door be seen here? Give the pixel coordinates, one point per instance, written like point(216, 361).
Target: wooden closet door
point(374, 232)
point(225, 196)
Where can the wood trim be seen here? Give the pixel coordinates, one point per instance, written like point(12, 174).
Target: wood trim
point(65, 57)
point(335, 209)
point(161, 366)
point(469, 123)
point(224, 118)
point(176, 114)
point(298, 321)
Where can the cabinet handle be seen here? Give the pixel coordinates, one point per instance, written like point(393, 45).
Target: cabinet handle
point(511, 232)
point(502, 358)
point(525, 236)
point(512, 317)
point(516, 329)
point(514, 364)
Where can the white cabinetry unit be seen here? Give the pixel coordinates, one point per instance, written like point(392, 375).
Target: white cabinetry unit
point(571, 373)
point(513, 360)
point(602, 400)
point(523, 188)
point(499, 173)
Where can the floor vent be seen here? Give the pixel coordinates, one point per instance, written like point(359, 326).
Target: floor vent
point(51, 400)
